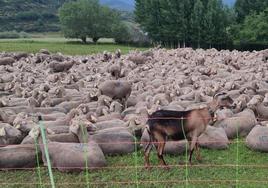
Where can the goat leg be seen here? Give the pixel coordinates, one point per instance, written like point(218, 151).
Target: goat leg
point(192, 146)
point(160, 149)
point(147, 151)
point(147, 155)
point(198, 155)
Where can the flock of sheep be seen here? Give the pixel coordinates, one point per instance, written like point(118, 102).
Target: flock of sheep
point(97, 105)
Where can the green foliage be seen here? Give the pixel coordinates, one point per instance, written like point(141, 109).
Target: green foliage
point(255, 28)
point(26, 15)
point(186, 21)
point(130, 33)
point(246, 7)
point(87, 18)
point(13, 35)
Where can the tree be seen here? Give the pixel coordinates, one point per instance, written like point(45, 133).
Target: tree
point(197, 22)
point(188, 22)
point(244, 8)
point(255, 27)
point(87, 18)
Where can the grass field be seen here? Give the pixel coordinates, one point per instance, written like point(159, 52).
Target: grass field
point(236, 167)
point(59, 44)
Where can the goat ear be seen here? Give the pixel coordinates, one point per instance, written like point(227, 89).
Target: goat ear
point(2, 131)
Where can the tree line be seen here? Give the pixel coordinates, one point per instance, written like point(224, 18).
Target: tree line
point(203, 23)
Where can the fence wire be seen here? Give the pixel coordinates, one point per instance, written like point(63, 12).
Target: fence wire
point(139, 180)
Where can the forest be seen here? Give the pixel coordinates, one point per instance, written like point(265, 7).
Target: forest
point(204, 23)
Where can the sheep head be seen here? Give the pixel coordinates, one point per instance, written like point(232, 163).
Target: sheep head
point(36, 131)
point(257, 99)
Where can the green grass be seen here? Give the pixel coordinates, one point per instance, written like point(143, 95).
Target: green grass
point(65, 46)
point(218, 169)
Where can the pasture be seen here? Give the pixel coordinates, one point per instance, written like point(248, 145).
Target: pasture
point(58, 44)
point(237, 166)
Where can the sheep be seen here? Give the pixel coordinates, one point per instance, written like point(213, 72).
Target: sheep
point(115, 89)
point(19, 157)
point(60, 67)
point(9, 135)
point(239, 124)
point(115, 70)
point(112, 141)
point(71, 157)
point(158, 79)
point(7, 61)
point(257, 106)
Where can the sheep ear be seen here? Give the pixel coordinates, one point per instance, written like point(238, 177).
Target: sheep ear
point(150, 112)
point(104, 111)
point(49, 131)
point(93, 119)
point(2, 131)
point(74, 129)
point(137, 121)
point(18, 126)
point(34, 133)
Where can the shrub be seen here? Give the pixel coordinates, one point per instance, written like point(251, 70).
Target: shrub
point(13, 35)
point(132, 34)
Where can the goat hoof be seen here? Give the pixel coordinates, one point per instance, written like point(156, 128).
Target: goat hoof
point(147, 167)
point(182, 163)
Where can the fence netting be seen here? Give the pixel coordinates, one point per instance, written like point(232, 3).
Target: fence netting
point(237, 166)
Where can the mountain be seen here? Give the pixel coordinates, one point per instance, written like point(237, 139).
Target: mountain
point(229, 2)
point(29, 15)
point(126, 5)
point(42, 15)
point(129, 5)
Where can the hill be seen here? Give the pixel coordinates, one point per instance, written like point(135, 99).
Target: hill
point(126, 5)
point(41, 15)
point(129, 5)
point(29, 15)
point(229, 2)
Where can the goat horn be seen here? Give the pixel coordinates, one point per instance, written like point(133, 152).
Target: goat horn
point(219, 94)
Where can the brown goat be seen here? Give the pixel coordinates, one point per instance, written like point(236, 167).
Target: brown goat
point(179, 125)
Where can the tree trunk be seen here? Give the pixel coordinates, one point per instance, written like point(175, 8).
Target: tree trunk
point(84, 39)
point(95, 39)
